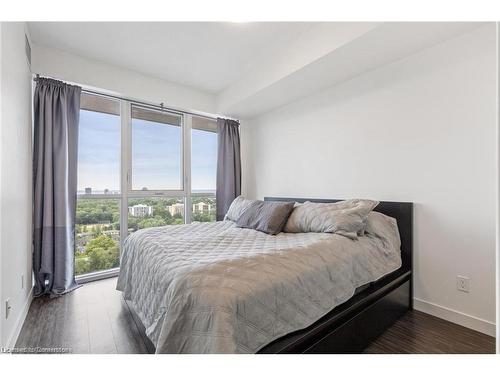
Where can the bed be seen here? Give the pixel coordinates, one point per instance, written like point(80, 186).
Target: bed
point(216, 288)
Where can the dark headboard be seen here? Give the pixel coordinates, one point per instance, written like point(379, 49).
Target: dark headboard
point(401, 211)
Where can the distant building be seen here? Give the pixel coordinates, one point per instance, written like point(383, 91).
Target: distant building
point(88, 190)
point(106, 191)
point(202, 208)
point(140, 210)
point(144, 188)
point(176, 208)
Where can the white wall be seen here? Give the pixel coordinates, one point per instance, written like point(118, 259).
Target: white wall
point(69, 67)
point(498, 195)
point(422, 129)
point(1, 59)
point(15, 181)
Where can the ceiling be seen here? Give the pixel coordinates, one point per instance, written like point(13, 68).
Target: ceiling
point(248, 68)
point(208, 56)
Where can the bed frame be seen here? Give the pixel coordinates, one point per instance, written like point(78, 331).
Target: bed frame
point(351, 326)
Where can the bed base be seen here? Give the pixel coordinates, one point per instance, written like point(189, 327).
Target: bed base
point(352, 326)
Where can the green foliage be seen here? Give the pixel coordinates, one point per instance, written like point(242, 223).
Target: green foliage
point(93, 211)
point(152, 222)
point(82, 265)
point(203, 217)
point(101, 253)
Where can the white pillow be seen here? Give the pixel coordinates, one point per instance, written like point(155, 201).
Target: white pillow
point(239, 205)
point(347, 218)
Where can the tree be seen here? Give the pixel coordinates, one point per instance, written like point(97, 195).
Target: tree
point(202, 217)
point(152, 222)
point(167, 216)
point(133, 223)
point(102, 253)
point(82, 265)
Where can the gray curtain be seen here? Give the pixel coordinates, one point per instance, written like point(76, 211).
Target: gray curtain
point(56, 107)
point(228, 165)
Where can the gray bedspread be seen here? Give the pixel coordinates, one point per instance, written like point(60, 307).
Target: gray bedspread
point(215, 288)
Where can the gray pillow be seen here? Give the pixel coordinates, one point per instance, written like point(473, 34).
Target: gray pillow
point(347, 218)
point(385, 228)
point(267, 217)
point(239, 205)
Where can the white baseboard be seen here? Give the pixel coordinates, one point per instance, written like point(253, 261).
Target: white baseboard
point(11, 342)
point(469, 321)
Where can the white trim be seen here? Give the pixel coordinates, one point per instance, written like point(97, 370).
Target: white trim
point(97, 275)
point(124, 170)
point(99, 196)
point(497, 189)
point(454, 316)
point(187, 121)
point(155, 193)
point(11, 342)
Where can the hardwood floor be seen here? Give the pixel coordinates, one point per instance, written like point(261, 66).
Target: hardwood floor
point(92, 319)
point(420, 333)
point(96, 319)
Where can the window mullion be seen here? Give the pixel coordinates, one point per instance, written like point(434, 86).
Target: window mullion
point(124, 167)
point(187, 167)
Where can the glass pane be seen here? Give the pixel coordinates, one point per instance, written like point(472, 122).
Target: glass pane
point(99, 146)
point(203, 156)
point(154, 212)
point(156, 150)
point(97, 241)
point(203, 209)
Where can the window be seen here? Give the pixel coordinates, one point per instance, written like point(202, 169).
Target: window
point(138, 167)
point(99, 146)
point(203, 168)
point(97, 230)
point(156, 150)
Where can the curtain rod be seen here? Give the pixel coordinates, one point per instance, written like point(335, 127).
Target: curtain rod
point(151, 104)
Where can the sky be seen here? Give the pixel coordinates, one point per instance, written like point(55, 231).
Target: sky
point(156, 154)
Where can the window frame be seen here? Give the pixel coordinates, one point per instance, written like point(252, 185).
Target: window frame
point(126, 191)
point(111, 272)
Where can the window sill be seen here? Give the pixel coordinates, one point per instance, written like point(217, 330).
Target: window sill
point(98, 275)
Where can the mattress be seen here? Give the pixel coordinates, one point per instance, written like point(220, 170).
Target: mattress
point(216, 288)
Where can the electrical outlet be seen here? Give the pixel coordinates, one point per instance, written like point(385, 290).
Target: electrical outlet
point(463, 283)
point(8, 307)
